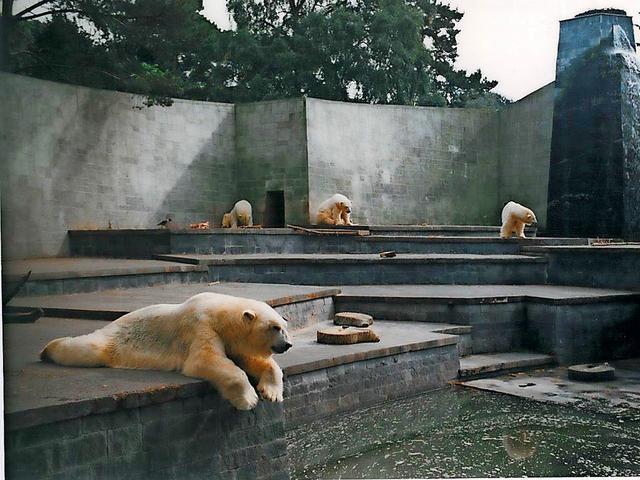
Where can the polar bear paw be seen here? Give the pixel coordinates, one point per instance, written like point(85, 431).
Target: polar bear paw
point(270, 391)
point(247, 400)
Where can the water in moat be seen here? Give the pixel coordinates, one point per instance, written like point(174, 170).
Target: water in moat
point(457, 432)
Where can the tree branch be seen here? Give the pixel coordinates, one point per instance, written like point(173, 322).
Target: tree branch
point(32, 7)
point(49, 12)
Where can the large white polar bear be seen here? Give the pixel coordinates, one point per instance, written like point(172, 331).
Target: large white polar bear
point(334, 211)
point(514, 218)
point(240, 214)
point(210, 336)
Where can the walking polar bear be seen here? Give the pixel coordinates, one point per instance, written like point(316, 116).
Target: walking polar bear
point(514, 218)
point(210, 336)
point(240, 214)
point(334, 211)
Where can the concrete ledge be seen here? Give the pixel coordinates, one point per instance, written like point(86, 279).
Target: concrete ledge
point(314, 259)
point(87, 267)
point(475, 366)
point(112, 304)
point(39, 393)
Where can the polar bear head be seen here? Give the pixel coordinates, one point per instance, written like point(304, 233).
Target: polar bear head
point(226, 220)
point(520, 212)
point(268, 329)
point(342, 203)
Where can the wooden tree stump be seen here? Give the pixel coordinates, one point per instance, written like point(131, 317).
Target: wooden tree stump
point(353, 319)
point(346, 335)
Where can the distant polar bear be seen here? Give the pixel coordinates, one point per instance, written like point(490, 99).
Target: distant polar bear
point(514, 218)
point(240, 214)
point(334, 211)
point(210, 336)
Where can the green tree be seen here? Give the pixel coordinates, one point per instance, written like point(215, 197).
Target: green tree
point(160, 48)
point(376, 51)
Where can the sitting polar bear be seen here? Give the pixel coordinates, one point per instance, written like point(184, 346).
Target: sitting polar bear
point(334, 211)
point(240, 214)
point(209, 336)
point(514, 218)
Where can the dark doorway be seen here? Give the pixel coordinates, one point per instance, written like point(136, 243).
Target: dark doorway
point(274, 209)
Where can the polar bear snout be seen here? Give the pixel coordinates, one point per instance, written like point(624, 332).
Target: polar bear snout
point(281, 347)
point(281, 343)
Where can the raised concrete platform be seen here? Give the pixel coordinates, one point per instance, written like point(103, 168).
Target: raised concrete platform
point(111, 304)
point(37, 392)
point(73, 274)
point(474, 366)
point(341, 269)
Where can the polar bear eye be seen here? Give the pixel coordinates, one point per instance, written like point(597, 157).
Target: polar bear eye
point(276, 328)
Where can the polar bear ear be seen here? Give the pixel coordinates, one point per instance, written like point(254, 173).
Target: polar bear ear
point(248, 315)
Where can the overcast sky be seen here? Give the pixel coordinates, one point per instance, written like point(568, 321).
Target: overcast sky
point(512, 41)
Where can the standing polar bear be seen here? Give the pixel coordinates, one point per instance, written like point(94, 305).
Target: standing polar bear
point(334, 211)
point(514, 218)
point(240, 214)
point(210, 336)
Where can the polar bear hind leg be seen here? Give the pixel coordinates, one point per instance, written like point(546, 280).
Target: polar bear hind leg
point(325, 217)
point(84, 351)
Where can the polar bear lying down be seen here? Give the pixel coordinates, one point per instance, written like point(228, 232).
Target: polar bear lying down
point(514, 218)
point(334, 211)
point(210, 336)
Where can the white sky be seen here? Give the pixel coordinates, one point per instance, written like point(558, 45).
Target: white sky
point(512, 41)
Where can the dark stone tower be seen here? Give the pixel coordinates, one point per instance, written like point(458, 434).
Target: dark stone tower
point(594, 177)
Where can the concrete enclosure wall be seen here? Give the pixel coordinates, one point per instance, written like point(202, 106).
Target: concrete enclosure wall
point(272, 155)
point(74, 157)
point(525, 149)
point(78, 158)
point(402, 165)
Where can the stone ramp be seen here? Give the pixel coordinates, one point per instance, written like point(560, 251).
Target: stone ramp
point(111, 304)
point(37, 392)
point(85, 274)
point(358, 269)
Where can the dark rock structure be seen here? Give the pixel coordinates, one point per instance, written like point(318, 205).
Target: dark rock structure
point(594, 177)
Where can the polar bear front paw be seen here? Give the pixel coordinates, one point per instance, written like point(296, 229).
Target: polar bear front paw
point(270, 391)
point(247, 400)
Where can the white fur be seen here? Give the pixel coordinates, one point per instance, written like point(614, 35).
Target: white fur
point(240, 214)
point(514, 218)
point(208, 336)
point(334, 211)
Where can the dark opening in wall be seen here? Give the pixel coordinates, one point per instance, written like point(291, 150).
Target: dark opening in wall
point(274, 209)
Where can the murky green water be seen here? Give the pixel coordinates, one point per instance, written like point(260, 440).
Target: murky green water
point(465, 433)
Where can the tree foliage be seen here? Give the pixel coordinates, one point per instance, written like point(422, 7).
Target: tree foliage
point(376, 51)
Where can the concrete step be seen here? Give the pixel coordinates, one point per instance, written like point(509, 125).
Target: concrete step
point(73, 275)
point(301, 305)
point(576, 324)
point(404, 239)
point(477, 366)
point(342, 269)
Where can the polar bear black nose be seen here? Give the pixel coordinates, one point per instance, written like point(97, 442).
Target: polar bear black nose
point(287, 346)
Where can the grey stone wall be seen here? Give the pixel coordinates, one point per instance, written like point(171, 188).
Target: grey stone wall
point(272, 152)
point(525, 149)
point(76, 158)
point(405, 164)
point(325, 392)
point(196, 437)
